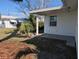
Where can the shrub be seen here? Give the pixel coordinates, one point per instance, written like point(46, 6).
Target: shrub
point(26, 27)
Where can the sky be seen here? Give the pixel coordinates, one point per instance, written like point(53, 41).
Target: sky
point(7, 7)
point(50, 3)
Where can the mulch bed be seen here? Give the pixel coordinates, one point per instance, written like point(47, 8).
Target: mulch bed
point(14, 50)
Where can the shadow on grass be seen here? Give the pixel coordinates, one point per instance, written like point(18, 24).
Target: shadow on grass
point(8, 37)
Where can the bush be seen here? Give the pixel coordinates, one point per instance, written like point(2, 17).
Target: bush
point(26, 27)
point(41, 24)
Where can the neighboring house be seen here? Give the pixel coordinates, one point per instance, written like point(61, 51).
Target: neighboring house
point(9, 21)
point(60, 21)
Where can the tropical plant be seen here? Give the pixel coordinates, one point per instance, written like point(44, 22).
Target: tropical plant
point(26, 27)
point(22, 28)
point(41, 24)
point(32, 21)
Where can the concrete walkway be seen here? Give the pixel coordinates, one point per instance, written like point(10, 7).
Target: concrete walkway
point(69, 39)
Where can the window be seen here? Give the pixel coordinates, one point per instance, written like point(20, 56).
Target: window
point(2, 22)
point(13, 23)
point(53, 20)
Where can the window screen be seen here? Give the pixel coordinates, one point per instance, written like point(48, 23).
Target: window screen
point(53, 20)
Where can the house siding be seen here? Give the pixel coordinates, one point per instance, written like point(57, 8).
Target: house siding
point(8, 24)
point(66, 24)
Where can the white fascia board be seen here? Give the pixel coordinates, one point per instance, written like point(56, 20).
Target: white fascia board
point(8, 17)
point(46, 9)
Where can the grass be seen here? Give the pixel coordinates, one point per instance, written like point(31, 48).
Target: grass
point(6, 30)
point(17, 39)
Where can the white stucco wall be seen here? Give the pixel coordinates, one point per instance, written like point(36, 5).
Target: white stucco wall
point(8, 25)
point(66, 24)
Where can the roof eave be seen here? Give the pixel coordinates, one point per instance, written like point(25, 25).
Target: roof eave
point(46, 9)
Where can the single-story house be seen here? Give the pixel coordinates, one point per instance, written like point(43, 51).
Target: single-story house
point(9, 21)
point(60, 21)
